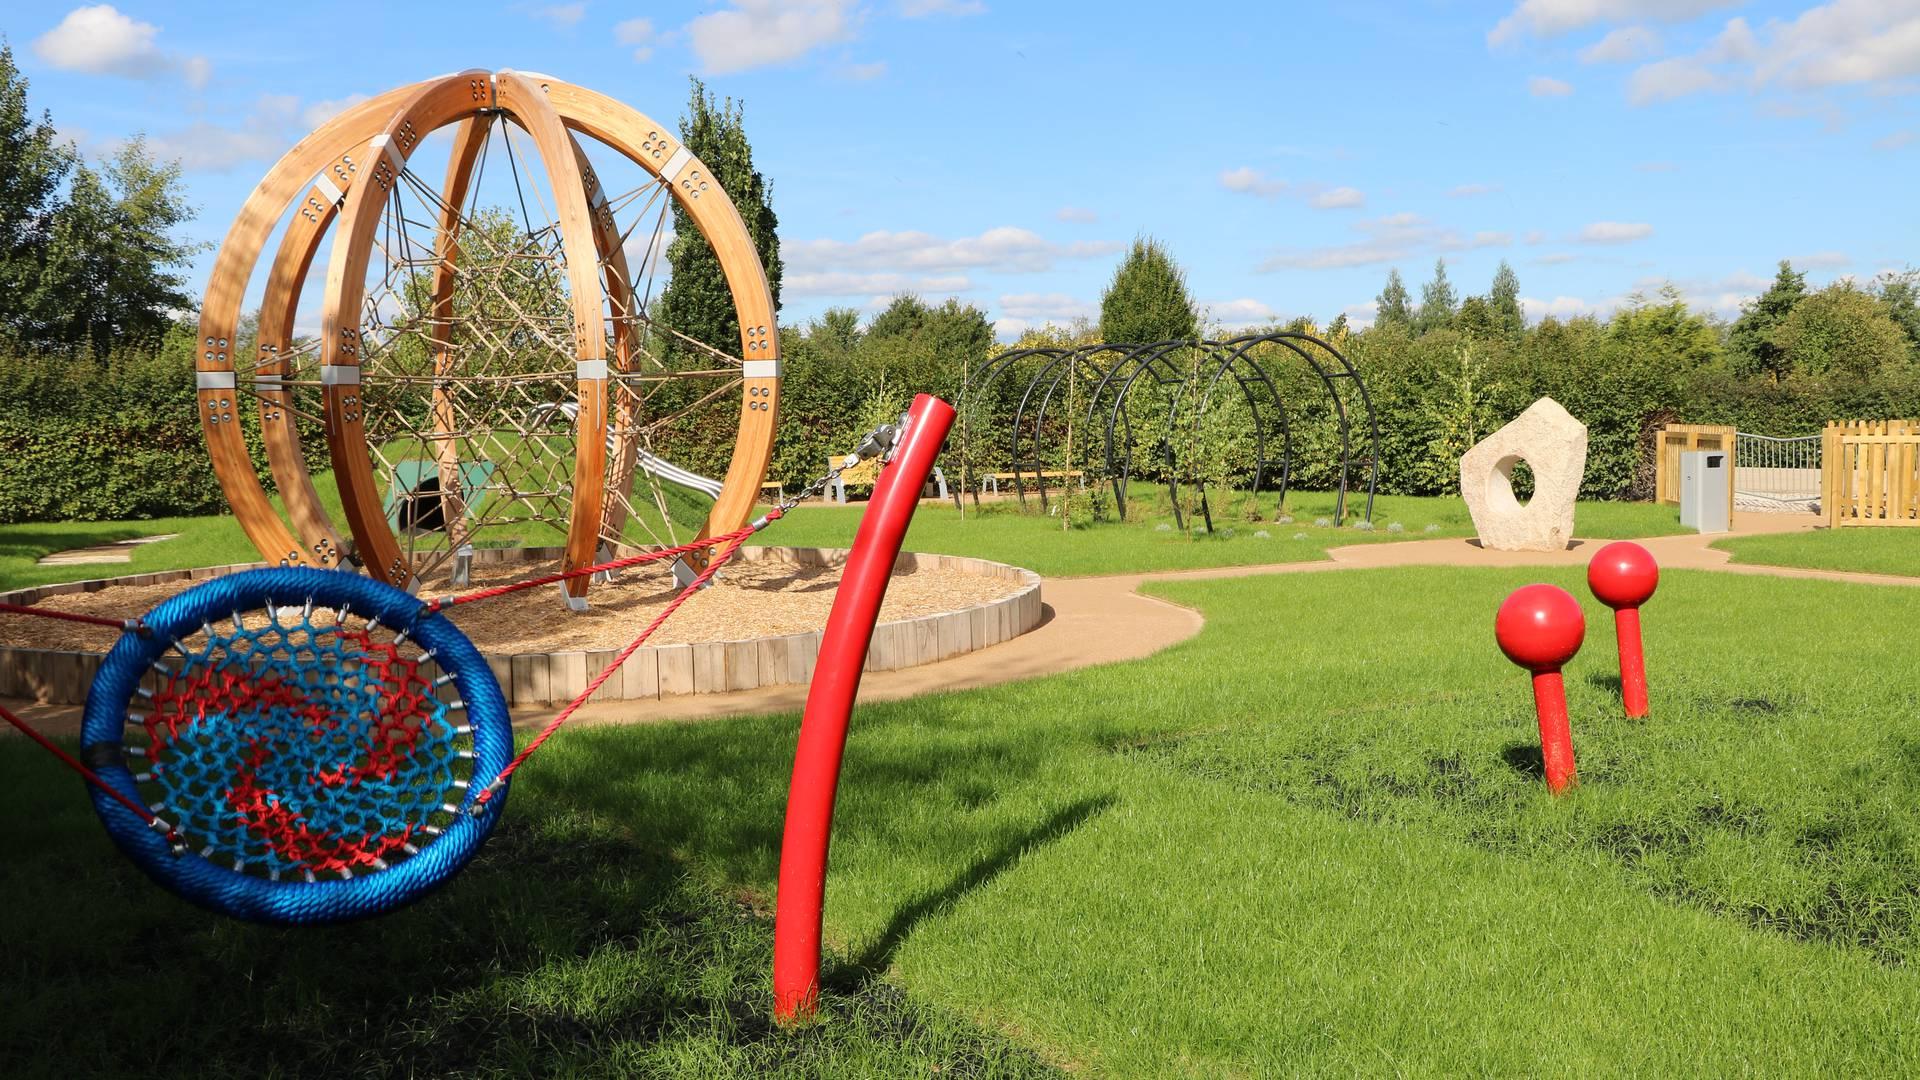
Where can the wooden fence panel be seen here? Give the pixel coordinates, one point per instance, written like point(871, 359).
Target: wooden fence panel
point(1677, 439)
point(1873, 479)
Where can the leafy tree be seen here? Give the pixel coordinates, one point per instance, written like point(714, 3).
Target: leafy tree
point(836, 331)
point(1147, 299)
point(696, 301)
point(1504, 299)
point(1392, 306)
point(110, 274)
point(903, 317)
point(1337, 330)
point(1840, 331)
point(1438, 303)
point(1899, 293)
point(33, 165)
point(1754, 351)
point(1477, 321)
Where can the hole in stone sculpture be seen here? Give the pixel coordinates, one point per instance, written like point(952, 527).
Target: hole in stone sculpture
point(1510, 485)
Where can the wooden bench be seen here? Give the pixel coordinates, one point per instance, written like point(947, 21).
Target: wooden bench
point(865, 473)
point(991, 481)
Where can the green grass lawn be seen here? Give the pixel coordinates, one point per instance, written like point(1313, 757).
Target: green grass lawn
point(1311, 840)
point(217, 539)
point(1863, 550)
point(1001, 534)
point(1039, 543)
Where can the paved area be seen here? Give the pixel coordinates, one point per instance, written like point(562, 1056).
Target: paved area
point(120, 551)
point(1102, 620)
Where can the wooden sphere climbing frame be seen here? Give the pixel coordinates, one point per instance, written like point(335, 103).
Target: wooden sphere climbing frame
point(518, 364)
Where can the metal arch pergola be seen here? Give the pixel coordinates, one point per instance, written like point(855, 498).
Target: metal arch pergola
point(1115, 368)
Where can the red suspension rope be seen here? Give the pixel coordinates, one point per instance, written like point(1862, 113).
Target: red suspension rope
point(733, 541)
point(733, 538)
point(132, 625)
point(86, 774)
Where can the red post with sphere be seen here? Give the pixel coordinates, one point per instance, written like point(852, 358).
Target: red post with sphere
point(1540, 628)
point(1623, 576)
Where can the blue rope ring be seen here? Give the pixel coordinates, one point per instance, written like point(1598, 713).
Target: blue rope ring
point(274, 742)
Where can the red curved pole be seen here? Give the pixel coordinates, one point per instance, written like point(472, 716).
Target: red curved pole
point(823, 727)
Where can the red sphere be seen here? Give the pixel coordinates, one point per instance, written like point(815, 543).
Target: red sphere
point(1623, 575)
point(1540, 627)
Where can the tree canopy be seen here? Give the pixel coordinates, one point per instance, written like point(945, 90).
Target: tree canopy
point(88, 256)
point(1754, 350)
point(1147, 300)
point(1392, 306)
point(697, 301)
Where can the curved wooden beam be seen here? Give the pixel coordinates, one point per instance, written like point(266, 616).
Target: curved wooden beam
point(526, 100)
point(328, 153)
point(648, 143)
point(432, 105)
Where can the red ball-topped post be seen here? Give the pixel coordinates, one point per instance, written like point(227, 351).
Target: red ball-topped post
point(1540, 627)
point(1623, 576)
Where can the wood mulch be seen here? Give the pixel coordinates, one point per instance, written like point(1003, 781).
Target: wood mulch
point(748, 600)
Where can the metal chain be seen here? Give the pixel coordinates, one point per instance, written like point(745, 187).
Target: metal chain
point(879, 442)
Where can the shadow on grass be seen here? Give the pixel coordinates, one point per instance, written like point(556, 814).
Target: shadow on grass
point(576, 943)
point(858, 971)
point(28, 542)
point(1525, 759)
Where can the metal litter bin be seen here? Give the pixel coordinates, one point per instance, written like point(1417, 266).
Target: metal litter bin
point(1706, 491)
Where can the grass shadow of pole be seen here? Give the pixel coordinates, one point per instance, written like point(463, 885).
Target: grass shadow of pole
point(856, 972)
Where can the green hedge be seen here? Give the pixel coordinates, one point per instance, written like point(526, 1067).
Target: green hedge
point(90, 440)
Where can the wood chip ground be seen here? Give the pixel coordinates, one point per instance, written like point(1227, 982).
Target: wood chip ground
point(750, 600)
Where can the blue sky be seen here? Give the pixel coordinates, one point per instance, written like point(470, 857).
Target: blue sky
point(1288, 154)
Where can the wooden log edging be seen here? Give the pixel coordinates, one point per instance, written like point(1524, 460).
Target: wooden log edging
point(61, 677)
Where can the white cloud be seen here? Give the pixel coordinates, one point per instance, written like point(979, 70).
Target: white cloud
point(916, 9)
point(563, 16)
point(274, 123)
point(1614, 232)
point(1894, 140)
point(1558, 258)
point(99, 40)
point(1535, 236)
point(863, 72)
point(762, 33)
point(1669, 79)
point(1389, 238)
point(1551, 18)
point(1547, 86)
point(1021, 312)
point(322, 111)
point(1047, 307)
point(1361, 316)
point(638, 35)
point(1468, 191)
point(1820, 260)
point(1339, 198)
point(1873, 44)
point(838, 283)
point(1006, 248)
point(1568, 307)
point(1252, 181)
point(1241, 313)
point(1079, 215)
point(205, 147)
point(1622, 46)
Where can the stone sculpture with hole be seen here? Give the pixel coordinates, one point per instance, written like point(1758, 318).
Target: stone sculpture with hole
point(1554, 446)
